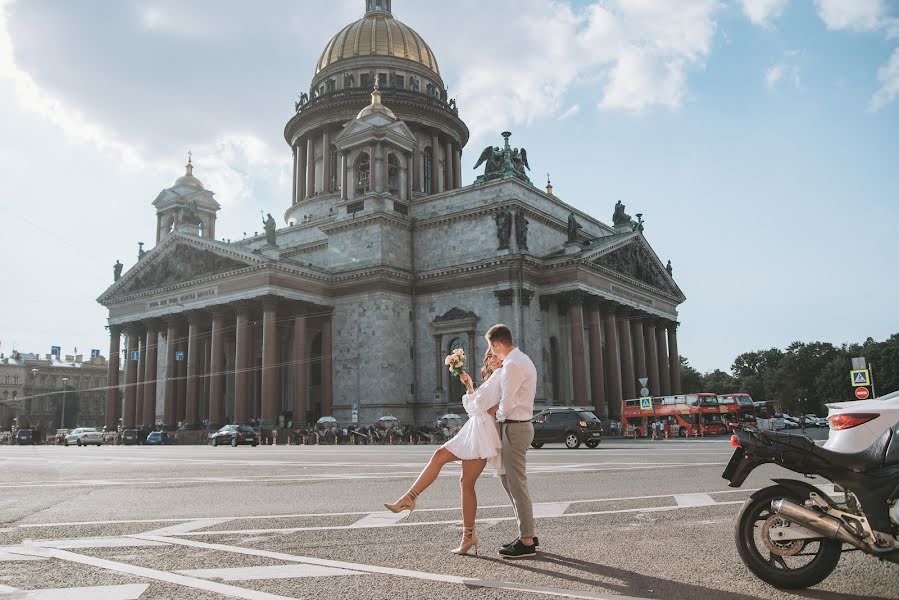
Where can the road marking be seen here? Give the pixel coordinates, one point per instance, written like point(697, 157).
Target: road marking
point(6, 588)
point(188, 526)
point(466, 581)
point(119, 567)
point(77, 543)
point(9, 557)
point(379, 519)
point(271, 572)
point(101, 592)
point(550, 509)
point(694, 500)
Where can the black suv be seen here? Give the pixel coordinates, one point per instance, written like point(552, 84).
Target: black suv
point(569, 425)
point(234, 435)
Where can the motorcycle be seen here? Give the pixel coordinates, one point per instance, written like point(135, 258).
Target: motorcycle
point(791, 534)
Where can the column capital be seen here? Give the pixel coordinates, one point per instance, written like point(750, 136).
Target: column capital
point(576, 297)
point(242, 307)
point(155, 324)
point(114, 329)
point(545, 302)
point(271, 302)
point(504, 297)
point(526, 296)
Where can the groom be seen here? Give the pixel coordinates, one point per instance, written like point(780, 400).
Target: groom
point(518, 382)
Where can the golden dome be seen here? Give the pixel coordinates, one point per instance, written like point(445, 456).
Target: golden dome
point(188, 178)
point(376, 106)
point(377, 34)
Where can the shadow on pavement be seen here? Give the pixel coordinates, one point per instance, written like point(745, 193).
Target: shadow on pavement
point(641, 586)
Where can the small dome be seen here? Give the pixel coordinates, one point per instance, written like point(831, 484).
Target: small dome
point(377, 34)
point(376, 107)
point(188, 178)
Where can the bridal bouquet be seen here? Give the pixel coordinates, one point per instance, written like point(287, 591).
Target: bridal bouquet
point(455, 361)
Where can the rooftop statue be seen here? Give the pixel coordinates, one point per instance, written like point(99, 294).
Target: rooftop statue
point(503, 163)
point(573, 226)
point(503, 228)
point(669, 268)
point(189, 214)
point(619, 217)
point(269, 223)
point(116, 270)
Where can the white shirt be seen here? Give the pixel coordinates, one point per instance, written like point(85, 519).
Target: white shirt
point(518, 381)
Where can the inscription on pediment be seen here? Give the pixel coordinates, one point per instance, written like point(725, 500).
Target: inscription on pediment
point(636, 263)
point(179, 266)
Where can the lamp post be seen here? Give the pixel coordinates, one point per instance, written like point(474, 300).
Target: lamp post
point(62, 417)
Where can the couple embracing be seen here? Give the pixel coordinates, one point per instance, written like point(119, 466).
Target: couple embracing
point(498, 433)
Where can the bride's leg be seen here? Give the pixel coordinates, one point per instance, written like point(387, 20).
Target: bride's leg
point(440, 457)
point(471, 470)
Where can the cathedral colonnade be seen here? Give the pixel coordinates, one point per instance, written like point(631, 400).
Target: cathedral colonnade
point(612, 347)
point(319, 167)
point(262, 358)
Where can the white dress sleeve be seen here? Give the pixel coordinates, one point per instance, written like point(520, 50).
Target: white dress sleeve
point(485, 397)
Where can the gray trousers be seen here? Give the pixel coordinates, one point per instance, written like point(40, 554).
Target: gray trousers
point(516, 438)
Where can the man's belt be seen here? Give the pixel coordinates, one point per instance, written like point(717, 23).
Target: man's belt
point(514, 421)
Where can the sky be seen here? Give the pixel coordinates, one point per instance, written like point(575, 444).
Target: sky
point(759, 138)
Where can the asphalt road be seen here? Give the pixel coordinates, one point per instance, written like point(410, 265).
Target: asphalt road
point(634, 519)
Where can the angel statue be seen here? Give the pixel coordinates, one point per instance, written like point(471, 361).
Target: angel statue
point(520, 161)
point(493, 156)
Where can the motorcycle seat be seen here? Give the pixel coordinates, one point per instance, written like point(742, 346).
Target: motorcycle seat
point(870, 458)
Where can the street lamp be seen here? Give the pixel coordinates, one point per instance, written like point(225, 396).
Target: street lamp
point(62, 417)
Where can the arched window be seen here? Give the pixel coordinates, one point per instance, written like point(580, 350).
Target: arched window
point(456, 389)
point(332, 184)
point(393, 174)
point(554, 370)
point(428, 160)
point(362, 174)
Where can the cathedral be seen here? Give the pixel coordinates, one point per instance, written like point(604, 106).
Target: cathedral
point(384, 263)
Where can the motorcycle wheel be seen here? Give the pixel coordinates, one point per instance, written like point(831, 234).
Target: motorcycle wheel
point(537, 444)
point(794, 565)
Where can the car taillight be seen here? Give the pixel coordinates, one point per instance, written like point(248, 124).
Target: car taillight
point(582, 423)
point(734, 441)
point(850, 420)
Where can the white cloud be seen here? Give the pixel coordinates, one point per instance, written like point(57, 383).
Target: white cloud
point(856, 15)
point(572, 110)
point(762, 12)
point(888, 76)
point(782, 73)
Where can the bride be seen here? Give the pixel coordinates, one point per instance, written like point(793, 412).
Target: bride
point(476, 444)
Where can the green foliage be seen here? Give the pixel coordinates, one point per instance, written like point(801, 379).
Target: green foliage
point(803, 377)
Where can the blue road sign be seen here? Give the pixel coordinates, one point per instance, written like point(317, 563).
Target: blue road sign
point(95, 353)
point(55, 351)
point(135, 355)
point(179, 356)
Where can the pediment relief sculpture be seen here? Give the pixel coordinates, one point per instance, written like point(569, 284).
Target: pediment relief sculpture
point(637, 263)
point(181, 265)
point(456, 313)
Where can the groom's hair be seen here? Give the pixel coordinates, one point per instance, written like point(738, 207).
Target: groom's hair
point(499, 333)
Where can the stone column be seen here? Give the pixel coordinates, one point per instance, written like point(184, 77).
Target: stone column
point(310, 168)
point(242, 365)
point(639, 347)
point(326, 162)
point(217, 369)
point(343, 176)
point(438, 361)
point(170, 403)
point(613, 369)
point(597, 381)
point(301, 171)
point(448, 164)
point(141, 367)
point(377, 166)
point(628, 380)
point(436, 185)
point(271, 374)
point(192, 395)
point(327, 369)
point(408, 195)
point(112, 375)
point(293, 189)
point(673, 358)
point(181, 376)
point(652, 357)
point(130, 379)
point(578, 372)
point(301, 367)
point(662, 349)
point(152, 351)
point(457, 169)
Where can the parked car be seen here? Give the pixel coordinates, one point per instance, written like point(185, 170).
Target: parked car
point(570, 426)
point(83, 436)
point(856, 425)
point(159, 438)
point(26, 437)
point(234, 435)
point(131, 437)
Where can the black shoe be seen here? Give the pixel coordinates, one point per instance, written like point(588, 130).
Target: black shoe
point(518, 550)
point(512, 543)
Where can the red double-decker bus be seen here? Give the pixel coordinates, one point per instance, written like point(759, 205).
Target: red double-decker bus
point(683, 415)
point(736, 409)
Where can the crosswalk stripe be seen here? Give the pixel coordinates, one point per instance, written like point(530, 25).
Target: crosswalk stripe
point(379, 519)
point(100, 592)
point(268, 573)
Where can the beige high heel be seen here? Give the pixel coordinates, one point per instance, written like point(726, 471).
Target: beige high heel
point(469, 540)
point(400, 506)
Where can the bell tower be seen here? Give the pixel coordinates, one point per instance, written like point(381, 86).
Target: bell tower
point(377, 6)
point(186, 206)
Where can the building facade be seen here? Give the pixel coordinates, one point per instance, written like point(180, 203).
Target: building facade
point(386, 264)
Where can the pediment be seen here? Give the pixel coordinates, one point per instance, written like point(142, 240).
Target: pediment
point(176, 263)
point(636, 260)
point(360, 132)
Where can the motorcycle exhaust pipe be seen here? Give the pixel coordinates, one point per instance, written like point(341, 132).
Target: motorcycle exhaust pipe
point(827, 526)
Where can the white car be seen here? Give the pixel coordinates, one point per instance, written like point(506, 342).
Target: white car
point(855, 425)
point(82, 436)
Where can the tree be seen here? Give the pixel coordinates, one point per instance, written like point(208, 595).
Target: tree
point(690, 379)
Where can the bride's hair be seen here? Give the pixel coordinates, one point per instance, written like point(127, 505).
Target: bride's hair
point(486, 371)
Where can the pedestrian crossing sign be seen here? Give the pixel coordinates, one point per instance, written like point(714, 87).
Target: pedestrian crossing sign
point(860, 378)
point(645, 403)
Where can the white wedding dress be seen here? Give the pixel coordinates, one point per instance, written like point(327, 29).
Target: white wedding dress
point(479, 437)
